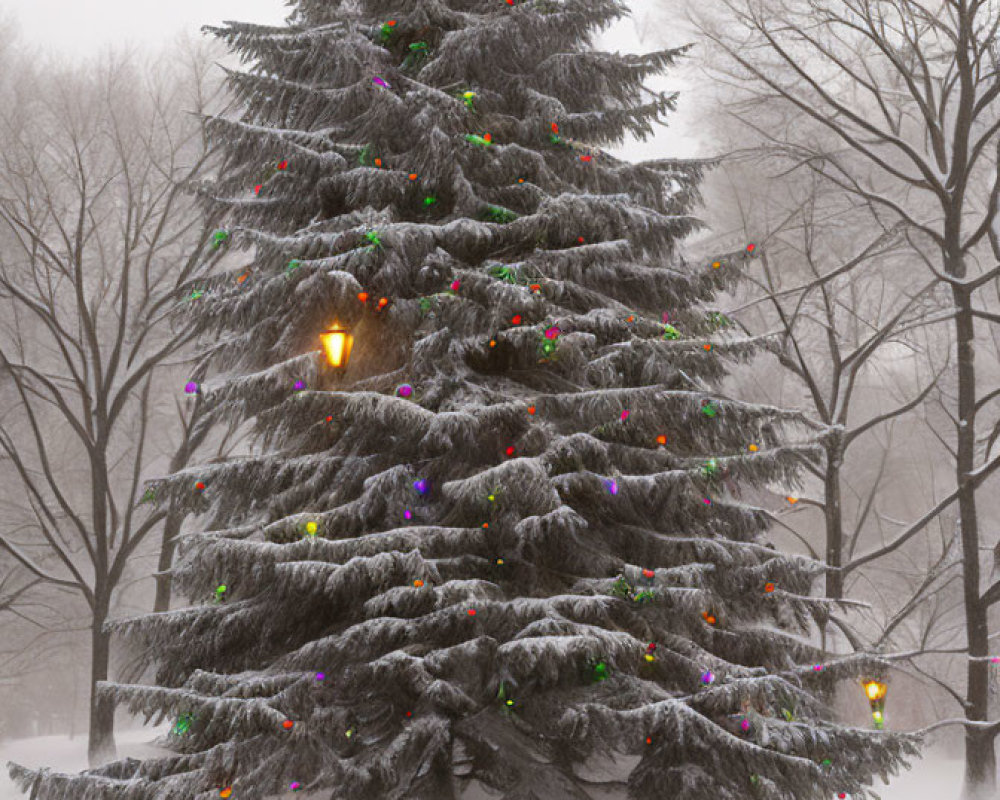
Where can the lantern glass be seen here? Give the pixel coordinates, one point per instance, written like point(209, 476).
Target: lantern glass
point(875, 690)
point(337, 344)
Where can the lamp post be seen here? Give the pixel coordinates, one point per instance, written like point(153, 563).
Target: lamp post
point(875, 691)
point(337, 343)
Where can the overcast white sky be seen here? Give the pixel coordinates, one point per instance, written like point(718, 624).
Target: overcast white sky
point(79, 28)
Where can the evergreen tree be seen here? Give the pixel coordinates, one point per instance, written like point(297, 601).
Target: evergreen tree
point(505, 543)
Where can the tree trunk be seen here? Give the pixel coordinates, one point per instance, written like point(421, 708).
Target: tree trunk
point(194, 436)
point(168, 544)
point(76, 706)
point(101, 744)
point(980, 757)
point(834, 521)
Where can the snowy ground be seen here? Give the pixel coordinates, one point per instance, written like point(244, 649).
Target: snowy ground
point(67, 755)
point(931, 779)
point(934, 778)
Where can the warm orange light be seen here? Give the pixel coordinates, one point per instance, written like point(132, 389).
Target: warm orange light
point(875, 690)
point(337, 344)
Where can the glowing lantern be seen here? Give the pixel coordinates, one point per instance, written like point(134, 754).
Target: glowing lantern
point(337, 344)
point(875, 691)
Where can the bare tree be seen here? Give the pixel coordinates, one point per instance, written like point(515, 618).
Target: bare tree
point(833, 317)
point(100, 237)
point(905, 96)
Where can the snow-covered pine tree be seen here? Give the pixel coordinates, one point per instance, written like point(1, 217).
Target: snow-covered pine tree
point(504, 544)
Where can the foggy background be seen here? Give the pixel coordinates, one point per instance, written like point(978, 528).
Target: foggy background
point(43, 709)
